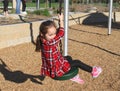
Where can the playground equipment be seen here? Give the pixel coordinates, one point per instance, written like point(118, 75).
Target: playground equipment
point(66, 7)
point(110, 16)
point(70, 74)
point(73, 71)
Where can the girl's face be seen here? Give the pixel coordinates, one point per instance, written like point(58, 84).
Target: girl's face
point(51, 33)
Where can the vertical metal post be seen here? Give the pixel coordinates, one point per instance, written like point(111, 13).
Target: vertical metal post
point(110, 16)
point(38, 4)
point(66, 15)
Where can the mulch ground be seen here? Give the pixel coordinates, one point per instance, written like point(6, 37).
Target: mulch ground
point(20, 65)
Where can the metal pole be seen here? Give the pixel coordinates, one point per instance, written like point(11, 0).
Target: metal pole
point(37, 4)
point(66, 15)
point(110, 16)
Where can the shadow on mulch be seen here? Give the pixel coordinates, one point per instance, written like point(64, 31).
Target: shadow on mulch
point(108, 51)
point(94, 20)
point(18, 76)
point(88, 32)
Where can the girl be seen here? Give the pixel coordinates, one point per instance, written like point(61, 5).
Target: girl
point(53, 63)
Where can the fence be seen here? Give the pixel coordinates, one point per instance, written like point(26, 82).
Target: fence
point(31, 4)
point(34, 4)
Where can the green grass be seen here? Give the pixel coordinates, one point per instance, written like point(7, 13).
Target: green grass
point(42, 5)
point(29, 4)
point(105, 5)
point(42, 12)
point(1, 4)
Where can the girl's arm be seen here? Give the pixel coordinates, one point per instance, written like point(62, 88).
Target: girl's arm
point(60, 33)
point(57, 38)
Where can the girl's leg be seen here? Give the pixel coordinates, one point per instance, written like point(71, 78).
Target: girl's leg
point(95, 71)
point(81, 65)
point(77, 79)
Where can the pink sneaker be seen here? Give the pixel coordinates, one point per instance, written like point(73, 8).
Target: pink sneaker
point(77, 79)
point(96, 71)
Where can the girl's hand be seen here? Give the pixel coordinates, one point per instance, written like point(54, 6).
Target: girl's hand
point(60, 17)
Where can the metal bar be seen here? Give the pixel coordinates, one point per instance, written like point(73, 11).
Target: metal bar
point(110, 16)
point(38, 4)
point(66, 14)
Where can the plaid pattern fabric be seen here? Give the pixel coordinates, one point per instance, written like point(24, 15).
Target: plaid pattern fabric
point(53, 63)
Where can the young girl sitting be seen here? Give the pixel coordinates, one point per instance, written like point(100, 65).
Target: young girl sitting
point(53, 63)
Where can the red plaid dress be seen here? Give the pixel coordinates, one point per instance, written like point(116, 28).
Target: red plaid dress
point(53, 63)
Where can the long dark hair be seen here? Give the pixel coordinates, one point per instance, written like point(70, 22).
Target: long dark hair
point(42, 31)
